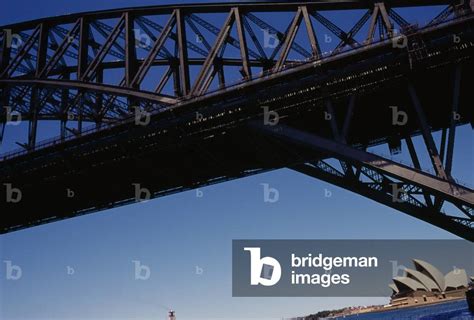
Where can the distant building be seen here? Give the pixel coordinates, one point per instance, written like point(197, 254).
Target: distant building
point(427, 284)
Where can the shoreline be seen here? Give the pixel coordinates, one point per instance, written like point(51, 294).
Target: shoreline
point(425, 303)
point(412, 306)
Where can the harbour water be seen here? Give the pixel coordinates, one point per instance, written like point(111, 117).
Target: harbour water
point(457, 310)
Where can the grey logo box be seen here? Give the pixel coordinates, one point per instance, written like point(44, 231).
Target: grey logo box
point(393, 256)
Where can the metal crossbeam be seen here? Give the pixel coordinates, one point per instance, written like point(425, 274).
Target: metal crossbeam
point(461, 226)
point(207, 81)
point(385, 171)
point(232, 41)
point(445, 188)
point(265, 26)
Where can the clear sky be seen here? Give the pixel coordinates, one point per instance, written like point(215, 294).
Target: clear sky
point(186, 240)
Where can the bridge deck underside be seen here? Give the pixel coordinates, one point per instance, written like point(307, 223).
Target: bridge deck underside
point(102, 169)
point(176, 151)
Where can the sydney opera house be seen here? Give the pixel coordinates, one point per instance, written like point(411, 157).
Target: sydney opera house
point(426, 284)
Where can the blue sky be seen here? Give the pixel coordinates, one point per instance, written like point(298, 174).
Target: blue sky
point(181, 235)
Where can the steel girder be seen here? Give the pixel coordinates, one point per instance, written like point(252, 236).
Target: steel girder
point(385, 181)
point(84, 48)
point(59, 73)
point(434, 197)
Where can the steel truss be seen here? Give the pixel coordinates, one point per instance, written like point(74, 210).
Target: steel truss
point(398, 186)
point(424, 195)
point(64, 60)
point(66, 68)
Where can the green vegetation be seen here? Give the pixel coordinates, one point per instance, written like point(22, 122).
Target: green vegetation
point(323, 314)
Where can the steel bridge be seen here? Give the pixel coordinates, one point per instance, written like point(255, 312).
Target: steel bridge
point(171, 98)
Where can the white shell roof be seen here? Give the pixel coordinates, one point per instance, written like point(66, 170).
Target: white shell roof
point(426, 281)
point(393, 287)
point(456, 278)
point(408, 282)
point(430, 271)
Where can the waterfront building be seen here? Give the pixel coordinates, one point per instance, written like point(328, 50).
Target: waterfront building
point(426, 284)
